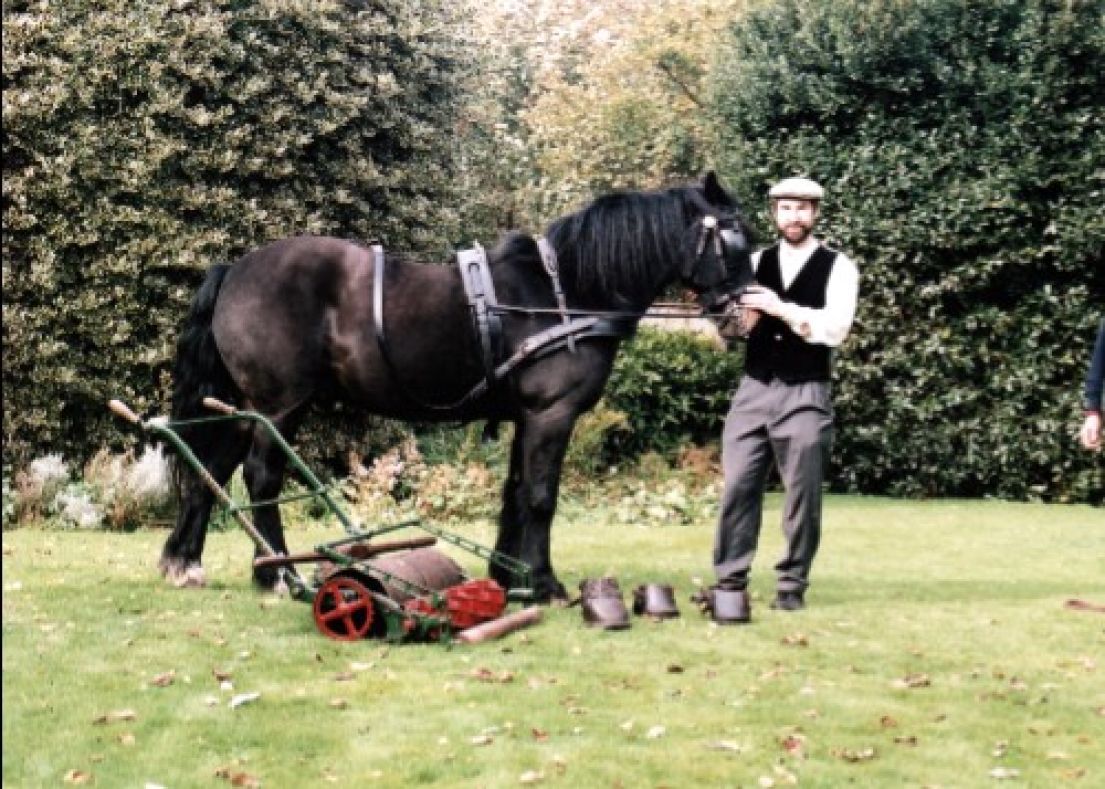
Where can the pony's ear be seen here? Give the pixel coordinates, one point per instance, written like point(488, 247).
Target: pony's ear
point(713, 191)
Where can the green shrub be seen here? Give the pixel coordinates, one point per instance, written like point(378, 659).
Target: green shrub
point(962, 147)
point(144, 141)
point(673, 387)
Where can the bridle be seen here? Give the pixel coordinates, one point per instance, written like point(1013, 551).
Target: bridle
point(731, 253)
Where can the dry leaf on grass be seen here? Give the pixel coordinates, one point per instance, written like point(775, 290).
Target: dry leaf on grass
point(1005, 773)
point(482, 739)
point(238, 778)
point(77, 777)
point(794, 744)
point(339, 704)
point(164, 680)
point(854, 755)
point(888, 722)
point(220, 675)
point(539, 734)
point(795, 640)
point(912, 681)
point(482, 674)
point(116, 716)
point(243, 698)
point(726, 745)
point(531, 777)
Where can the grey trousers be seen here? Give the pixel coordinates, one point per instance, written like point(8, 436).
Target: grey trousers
point(792, 426)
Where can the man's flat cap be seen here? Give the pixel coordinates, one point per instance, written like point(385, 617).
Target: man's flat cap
point(797, 189)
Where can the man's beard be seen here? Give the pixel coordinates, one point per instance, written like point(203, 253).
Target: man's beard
point(796, 233)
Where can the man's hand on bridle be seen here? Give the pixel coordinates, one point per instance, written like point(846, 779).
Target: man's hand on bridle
point(763, 299)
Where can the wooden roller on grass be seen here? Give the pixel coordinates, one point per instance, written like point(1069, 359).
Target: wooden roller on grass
point(497, 628)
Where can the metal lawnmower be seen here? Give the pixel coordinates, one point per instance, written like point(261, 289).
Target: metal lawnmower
point(398, 590)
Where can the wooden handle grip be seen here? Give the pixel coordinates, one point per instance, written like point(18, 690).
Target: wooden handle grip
point(218, 405)
point(120, 409)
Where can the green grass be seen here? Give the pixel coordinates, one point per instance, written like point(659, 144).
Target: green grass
point(964, 599)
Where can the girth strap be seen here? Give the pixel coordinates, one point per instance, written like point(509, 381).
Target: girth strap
point(476, 276)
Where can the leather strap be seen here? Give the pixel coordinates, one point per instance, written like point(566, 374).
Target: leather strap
point(478, 285)
point(548, 260)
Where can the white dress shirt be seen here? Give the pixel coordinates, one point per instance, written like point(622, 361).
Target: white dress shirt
point(830, 324)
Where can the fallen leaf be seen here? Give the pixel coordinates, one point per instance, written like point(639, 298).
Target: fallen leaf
point(116, 716)
point(243, 698)
point(1073, 773)
point(887, 722)
point(77, 777)
point(1001, 747)
point(913, 681)
point(238, 778)
point(726, 745)
point(338, 704)
point(531, 777)
point(795, 640)
point(1005, 773)
point(794, 744)
point(854, 755)
point(910, 740)
point(482, 739)
point(220, 675)
point(675, 668)
point(164, 680)
point(539, 735)
point(656, 732)
point(126, 738)
point(344, 676)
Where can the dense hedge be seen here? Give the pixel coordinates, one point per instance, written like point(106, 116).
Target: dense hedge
point(674, 388)
point(962, 146)
point(144, 141)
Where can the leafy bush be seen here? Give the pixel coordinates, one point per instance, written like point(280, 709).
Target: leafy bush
point(962, 147)
point(674, 388)
point(144, 141)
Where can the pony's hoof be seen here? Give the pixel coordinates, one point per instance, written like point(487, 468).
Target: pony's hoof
point(190, 577)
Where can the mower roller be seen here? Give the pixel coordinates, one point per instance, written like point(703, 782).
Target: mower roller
point(399, 590)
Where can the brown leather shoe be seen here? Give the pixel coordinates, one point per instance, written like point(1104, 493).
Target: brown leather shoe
point(602, 603)
point(725, 606)
point(656, 600)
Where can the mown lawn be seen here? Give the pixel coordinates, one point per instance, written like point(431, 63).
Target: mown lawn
point(936, 651)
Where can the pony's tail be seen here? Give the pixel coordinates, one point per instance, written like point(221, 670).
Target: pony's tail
point(198, 369)
point(199, 372)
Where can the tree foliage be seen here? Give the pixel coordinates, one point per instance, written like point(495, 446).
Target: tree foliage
point(962, 147)
point(144, 141)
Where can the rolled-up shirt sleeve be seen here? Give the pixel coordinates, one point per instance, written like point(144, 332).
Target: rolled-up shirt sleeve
point(831, 324)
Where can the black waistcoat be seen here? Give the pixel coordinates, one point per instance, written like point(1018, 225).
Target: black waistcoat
point(773, 349)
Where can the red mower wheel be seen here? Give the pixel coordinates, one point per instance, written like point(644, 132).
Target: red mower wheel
point(343, 608)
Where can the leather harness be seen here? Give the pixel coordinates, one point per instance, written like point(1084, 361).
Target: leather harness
point(486, 316)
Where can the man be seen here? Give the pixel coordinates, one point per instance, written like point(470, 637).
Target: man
point(802, 307)
point(1090, 434)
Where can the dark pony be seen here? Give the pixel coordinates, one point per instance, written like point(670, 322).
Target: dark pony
point(304, 318)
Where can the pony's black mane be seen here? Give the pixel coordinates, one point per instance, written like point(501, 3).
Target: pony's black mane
point(623, 244)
